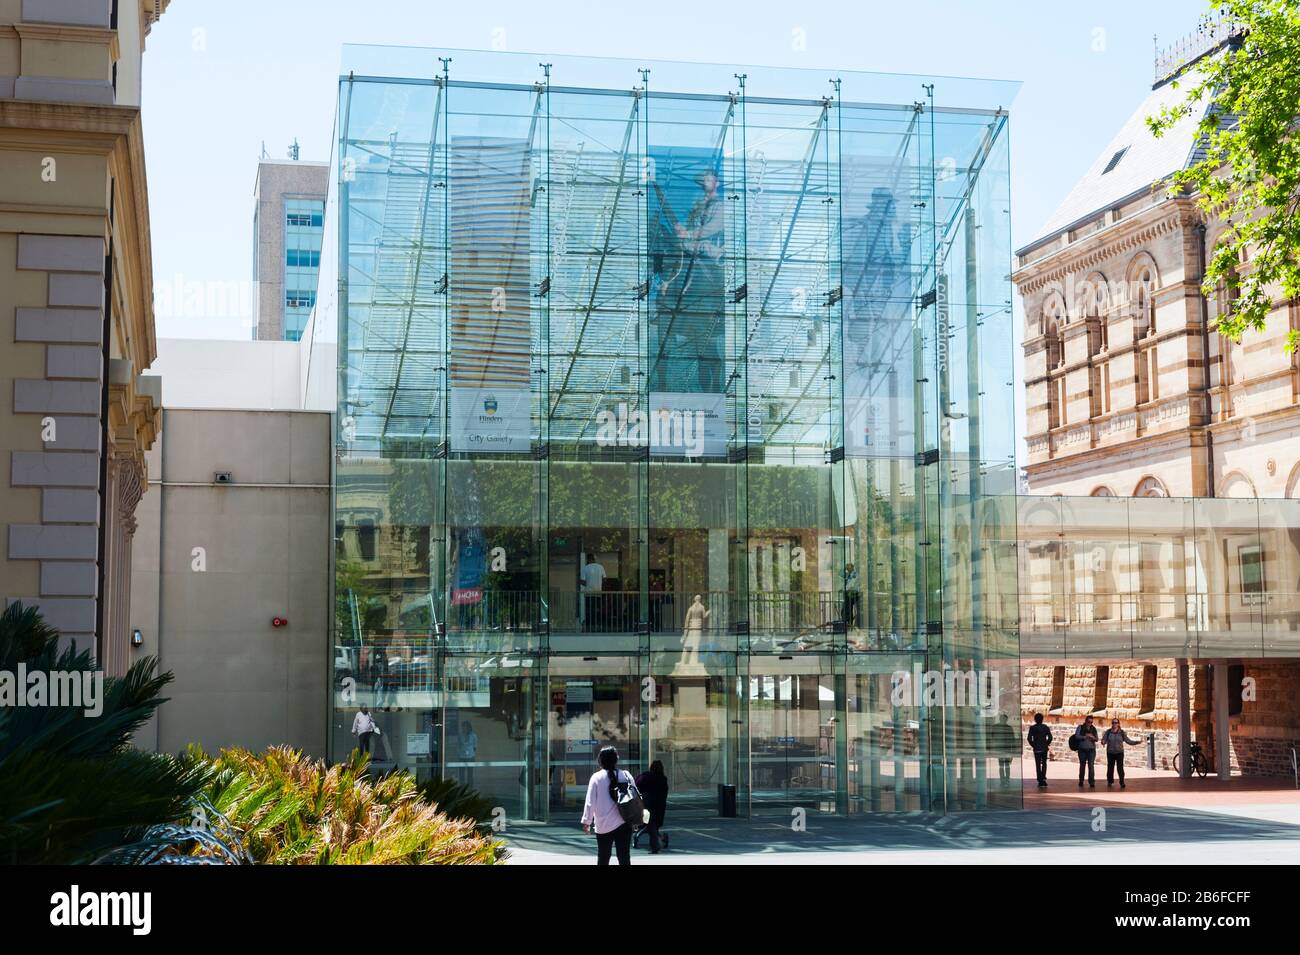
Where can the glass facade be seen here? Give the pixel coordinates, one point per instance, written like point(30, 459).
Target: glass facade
point(674, 411)
point(1148, 577)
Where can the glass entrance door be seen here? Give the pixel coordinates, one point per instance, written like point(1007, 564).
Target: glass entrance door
point(693, 726)
point(488, 728)
point(594, 701)
point(884, 729)
point(792, 752)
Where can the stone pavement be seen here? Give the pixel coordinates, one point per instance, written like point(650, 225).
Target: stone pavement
point(1158, 819)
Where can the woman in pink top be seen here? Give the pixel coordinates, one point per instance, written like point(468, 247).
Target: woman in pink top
point(601, 809)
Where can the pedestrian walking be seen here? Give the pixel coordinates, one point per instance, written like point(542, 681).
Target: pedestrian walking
point(601, 810)
point(1040, 741)
point(364, 728)
point(653, 786)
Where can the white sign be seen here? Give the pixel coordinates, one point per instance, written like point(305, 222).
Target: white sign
point(491, 419)
point(417, 744)
point(690, 425)
point(580, 692)
point(868, 432)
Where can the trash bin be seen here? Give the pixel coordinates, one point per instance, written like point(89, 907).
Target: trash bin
point(726, 801)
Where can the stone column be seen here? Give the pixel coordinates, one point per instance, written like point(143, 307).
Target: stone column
point(125, 484)
point(1222, 741)
point(1184, 718)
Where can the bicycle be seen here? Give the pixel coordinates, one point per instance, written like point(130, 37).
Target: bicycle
point(1200, 765)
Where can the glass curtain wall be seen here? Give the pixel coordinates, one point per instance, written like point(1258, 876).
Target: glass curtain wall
point(672, 408)
point(1146, 578)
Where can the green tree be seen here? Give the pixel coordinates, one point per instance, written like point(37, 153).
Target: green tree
point(1250, 174)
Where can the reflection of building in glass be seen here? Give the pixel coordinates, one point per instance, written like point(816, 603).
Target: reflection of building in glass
point(810, 293)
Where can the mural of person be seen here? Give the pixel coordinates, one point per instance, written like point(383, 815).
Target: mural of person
point(688, 257)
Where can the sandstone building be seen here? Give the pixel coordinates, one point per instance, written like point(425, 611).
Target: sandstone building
point(1130, 392)
point(76, 312)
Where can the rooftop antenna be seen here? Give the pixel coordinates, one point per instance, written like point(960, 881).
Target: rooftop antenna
point(293, 150)
point(264, 155)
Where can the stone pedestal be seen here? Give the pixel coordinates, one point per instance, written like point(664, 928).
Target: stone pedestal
point(690, 727)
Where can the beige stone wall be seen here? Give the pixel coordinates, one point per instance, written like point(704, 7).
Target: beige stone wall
point(17, 434)
point(1262, 735)
point(1113, 399)
point(1122, 701)
point(76, 318)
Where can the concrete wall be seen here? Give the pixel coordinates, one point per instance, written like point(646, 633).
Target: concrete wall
point(264, 543)
point(251, 375)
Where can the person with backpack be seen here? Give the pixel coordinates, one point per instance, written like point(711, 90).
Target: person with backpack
point(1114, 740)
point(612, 799)
point(1084, 741)
point(1040, 741)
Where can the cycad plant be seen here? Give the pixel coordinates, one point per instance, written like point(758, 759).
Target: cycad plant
point(294, 810)
point(457, 800)
point(71, 786)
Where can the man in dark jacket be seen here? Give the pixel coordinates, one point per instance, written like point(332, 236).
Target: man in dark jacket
point(653, 786)
point(1040, 741)
point(1087, 736)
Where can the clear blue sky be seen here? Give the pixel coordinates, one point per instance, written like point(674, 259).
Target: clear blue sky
point(223, 76)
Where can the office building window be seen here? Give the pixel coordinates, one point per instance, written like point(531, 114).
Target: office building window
point(305, 219)
point(302, 258)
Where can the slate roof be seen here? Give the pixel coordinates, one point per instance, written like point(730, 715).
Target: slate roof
point(1146, 160)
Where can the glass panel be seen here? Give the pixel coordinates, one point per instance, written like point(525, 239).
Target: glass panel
point(795, 540)
point(693, 726)
point(791, 705)
point(1279, 527)
point(594, 702)
point(1162, 577)
point(695, 244)
point(596, 365)
point(1042, 577)
point(1096, 561)
point(490, 728)
point(1228, 565)
point(885, 771)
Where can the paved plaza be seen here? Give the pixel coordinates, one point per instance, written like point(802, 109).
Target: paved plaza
point(1158, 819)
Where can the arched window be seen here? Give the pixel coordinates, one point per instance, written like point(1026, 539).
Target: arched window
point(1054, 331)
point(1142, 283)
point(1293, 482)
point(1102, 491)
point(1053, 328)
point(1091, 305)
point(1238, 485)
point(1150, 487)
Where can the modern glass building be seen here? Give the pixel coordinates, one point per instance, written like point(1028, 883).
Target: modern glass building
point(675, 412)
